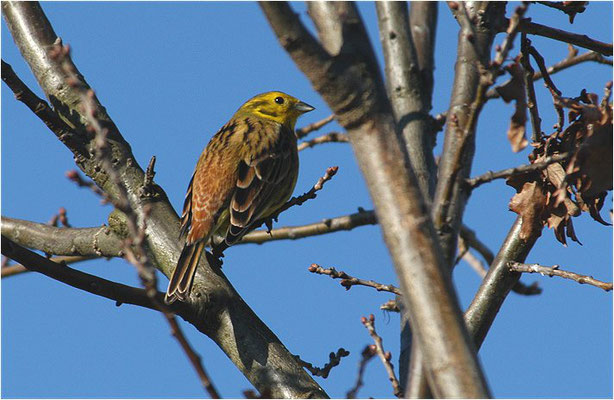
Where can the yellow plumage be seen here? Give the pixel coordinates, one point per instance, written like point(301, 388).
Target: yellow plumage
point(245, 174)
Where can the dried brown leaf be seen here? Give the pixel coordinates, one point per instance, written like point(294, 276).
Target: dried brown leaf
point(514, 90)
point(530, 204)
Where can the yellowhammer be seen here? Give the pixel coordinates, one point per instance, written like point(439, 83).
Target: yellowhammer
point(246, 173)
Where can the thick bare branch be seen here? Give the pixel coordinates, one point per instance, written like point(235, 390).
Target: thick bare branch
point(407, 91)
point(474, 45)
point(216, 309)
point(90, 242)
point(423, 26)
point(497, 284)
point(555, 271)
point(352, 86)
point(117, 292)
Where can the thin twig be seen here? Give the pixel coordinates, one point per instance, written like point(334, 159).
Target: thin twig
point(347, 281)
point(333, 137)
point(522, 169)
point(367, 355)
point(327, 225)
point(555, 271)
point(219, 248)
point(390, 305)
point(42, 110)
point(526, 26)
point(536, 120)
point(306, 130)
point(554, 91)
point(571, 60)
point(148, 188)
point(334, 360)
point(369, 323)
point(311, 194)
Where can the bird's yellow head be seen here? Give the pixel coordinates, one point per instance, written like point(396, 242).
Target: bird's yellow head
point(276, 106)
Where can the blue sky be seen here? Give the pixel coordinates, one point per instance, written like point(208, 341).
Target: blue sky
point(170, 75)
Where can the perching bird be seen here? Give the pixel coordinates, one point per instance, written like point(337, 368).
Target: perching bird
point(245, 174)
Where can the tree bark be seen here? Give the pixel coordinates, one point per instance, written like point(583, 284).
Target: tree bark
point(352, 86)
point(216, 309)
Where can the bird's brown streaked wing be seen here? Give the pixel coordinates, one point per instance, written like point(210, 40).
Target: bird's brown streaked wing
point(186, 215)
point(258, 181)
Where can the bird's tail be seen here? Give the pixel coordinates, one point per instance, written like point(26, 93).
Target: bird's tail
point(183, 275)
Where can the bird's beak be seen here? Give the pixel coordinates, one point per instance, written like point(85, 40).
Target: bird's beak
point(303, 107)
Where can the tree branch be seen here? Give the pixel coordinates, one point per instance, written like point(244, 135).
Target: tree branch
point(526, 26)
point(215, 308)
point(117, 292)
point(16, 269)
point(497, 284)
point(87, 242)
point(306, 130)
point(328, 225)
point(369, 323)
point(333, 137)
point(367, 355)
point(571, 60)
point(334, 360)
point(351, 84)
point(347, 281)
point(407, 92)
point(467, 99)
point(555, 271)
point(522, 169)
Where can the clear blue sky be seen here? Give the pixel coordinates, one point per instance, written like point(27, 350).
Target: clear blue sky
point(170, 75)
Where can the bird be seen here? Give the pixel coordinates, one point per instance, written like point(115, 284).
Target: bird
point(247, 171)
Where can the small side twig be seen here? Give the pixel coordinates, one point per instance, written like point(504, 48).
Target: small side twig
point(327, 225)
point(571, 60)
point(347, 281)
point(333, 137)
point(304, 131)
point(522, 169)
point(385, 356)
point(367, 355)
point(148, 188)
point(555, 271)
point(311, 194)
point(526, 26)
point(390, 305)
point(61, 218)
point(468, 239)
point(536, 120)
point(334, 360)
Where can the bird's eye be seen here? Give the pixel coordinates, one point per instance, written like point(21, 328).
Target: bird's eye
point(279, 100)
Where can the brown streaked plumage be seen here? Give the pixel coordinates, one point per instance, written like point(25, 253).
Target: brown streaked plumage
point(247, 171)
